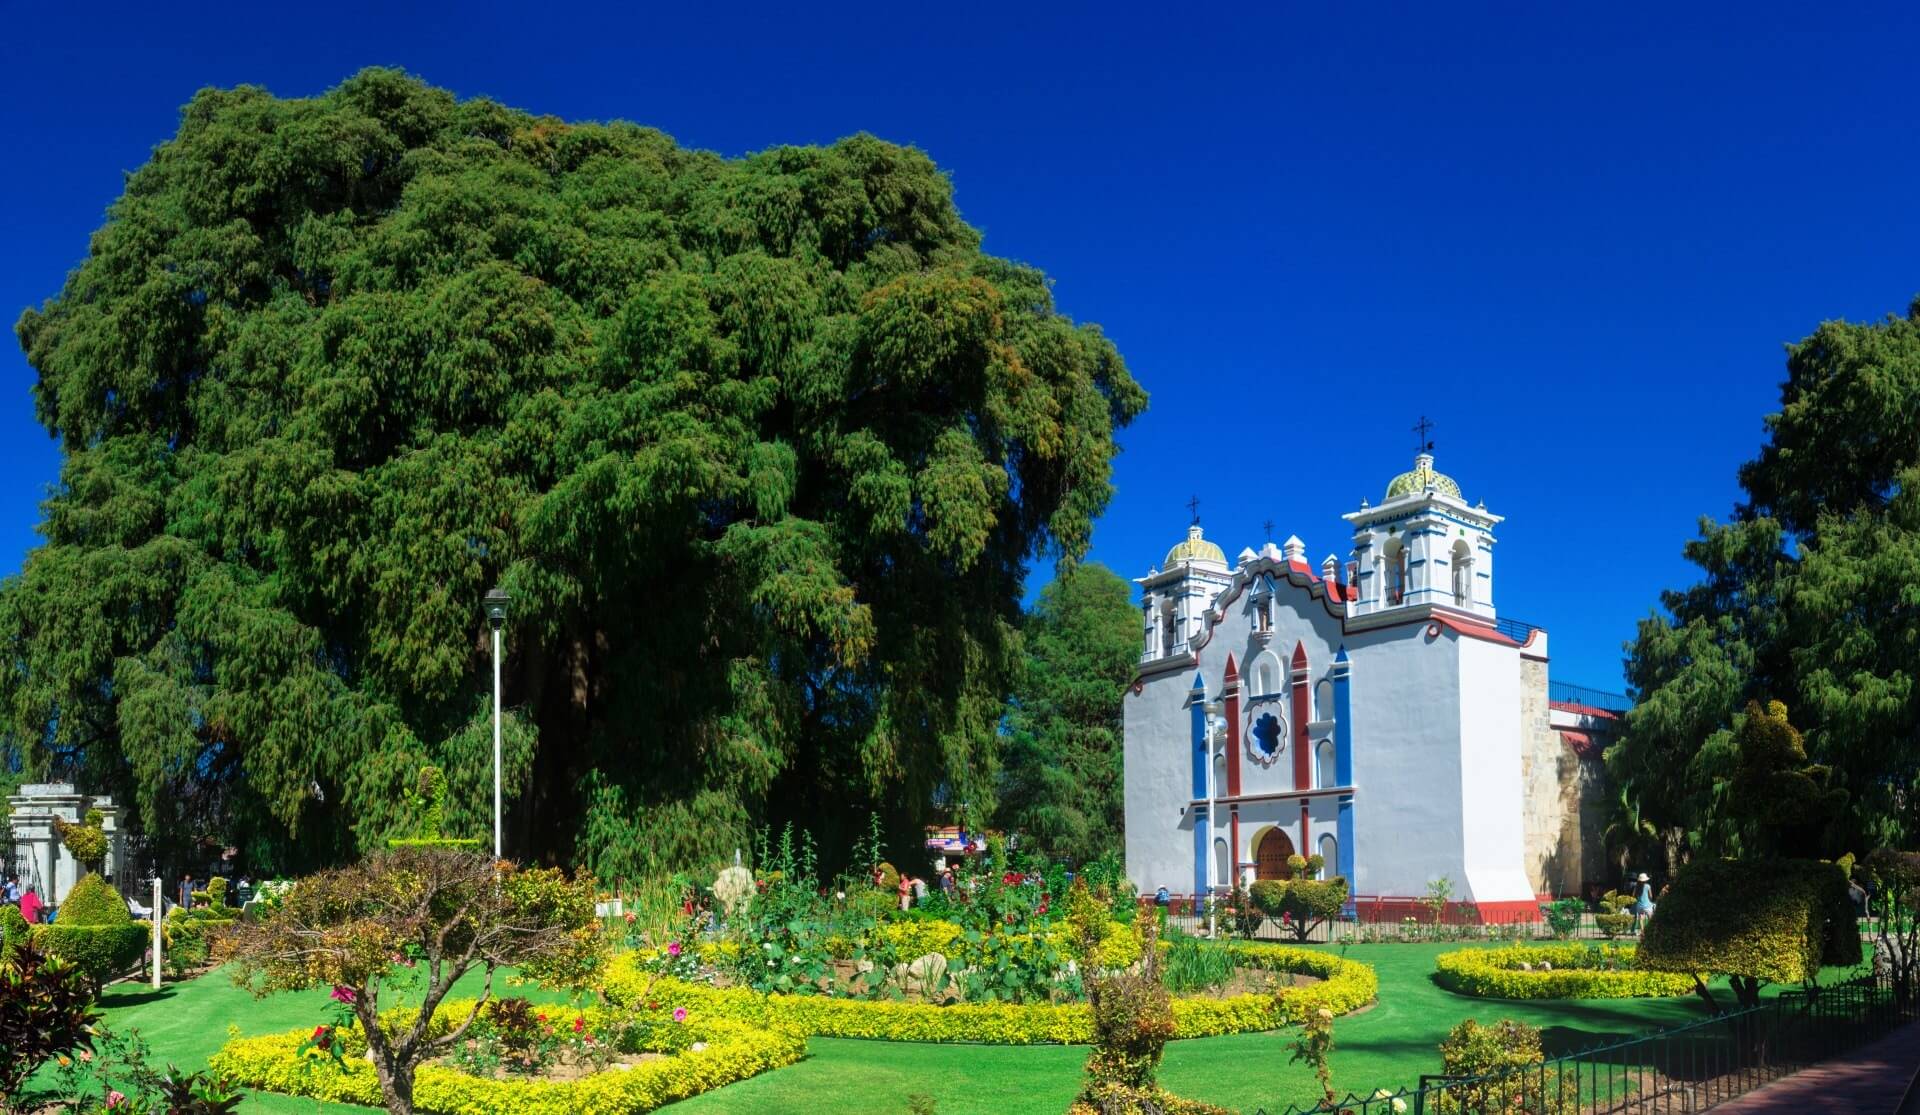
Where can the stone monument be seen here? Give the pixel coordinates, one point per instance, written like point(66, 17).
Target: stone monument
point(41, 859)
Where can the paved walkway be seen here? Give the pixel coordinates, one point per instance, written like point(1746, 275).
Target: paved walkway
point(1870, 1081)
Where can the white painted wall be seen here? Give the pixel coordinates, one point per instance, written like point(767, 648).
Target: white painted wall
point(1492, 801)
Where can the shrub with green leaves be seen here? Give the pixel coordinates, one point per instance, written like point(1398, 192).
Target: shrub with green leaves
point(1571, 971)
point(1489, 1059)
point(93, 901)
point(1753, 921)
point(1563, 917)
point(46, 1010)
point(13, 930)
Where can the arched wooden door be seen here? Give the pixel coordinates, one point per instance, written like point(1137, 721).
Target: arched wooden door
point(1270, 855)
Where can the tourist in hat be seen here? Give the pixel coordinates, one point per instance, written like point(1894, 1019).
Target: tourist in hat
point(1642, 899)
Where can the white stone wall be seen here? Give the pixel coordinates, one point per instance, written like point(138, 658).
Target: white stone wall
point(1491, 797)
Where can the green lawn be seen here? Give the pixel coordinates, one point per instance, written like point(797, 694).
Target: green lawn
point(1388, 1045)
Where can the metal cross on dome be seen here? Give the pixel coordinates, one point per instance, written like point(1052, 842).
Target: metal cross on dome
point(1193, 505)
point(1423, 427)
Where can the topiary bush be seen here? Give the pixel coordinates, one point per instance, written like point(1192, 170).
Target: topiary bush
point(92, 901)
point(1268, 895)
point(1132, 1022)
point(100, 952)
point(1310, 902)
point(13, 930)
point(1753, 921)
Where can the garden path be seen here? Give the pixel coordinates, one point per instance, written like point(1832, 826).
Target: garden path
point(1869, 1081)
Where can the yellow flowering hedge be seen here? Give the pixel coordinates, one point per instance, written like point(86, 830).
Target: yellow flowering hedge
point(733, 1051)
point(1496, 974)
point(1345, 985)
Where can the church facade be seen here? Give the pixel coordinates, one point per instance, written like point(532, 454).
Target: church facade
point(1375, 712)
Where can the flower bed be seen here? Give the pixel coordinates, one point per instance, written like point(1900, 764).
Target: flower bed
point(1554, 972)
point(1344, 985)
point(707, 1054)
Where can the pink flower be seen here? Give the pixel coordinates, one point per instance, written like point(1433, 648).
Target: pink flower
point(345, 995)
point(673, 948)
point(679, 1014)
point(115, 1099)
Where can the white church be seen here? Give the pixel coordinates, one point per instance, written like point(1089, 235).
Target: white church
point(1376, 712)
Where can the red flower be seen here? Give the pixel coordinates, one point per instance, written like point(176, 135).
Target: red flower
point(579, 1024)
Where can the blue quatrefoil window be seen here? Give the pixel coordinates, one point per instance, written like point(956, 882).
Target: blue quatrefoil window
point(1267, 737)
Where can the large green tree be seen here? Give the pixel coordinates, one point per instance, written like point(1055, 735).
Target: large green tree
point(1061, 785)
point(1810, 595)
point(762, 448)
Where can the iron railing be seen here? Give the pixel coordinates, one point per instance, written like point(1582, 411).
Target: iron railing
point(1569, 693)
point(1686, 1069)
point(1519, 630)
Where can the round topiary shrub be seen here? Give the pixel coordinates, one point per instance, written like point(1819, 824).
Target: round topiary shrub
point(1554, 972)
point(1269, 896)
point(93, 902)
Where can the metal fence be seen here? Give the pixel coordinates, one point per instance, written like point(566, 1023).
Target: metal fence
point(1374, 919)
point(1569, 693)
point(1686, 1069)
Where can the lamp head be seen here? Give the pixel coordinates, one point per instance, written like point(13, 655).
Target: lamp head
point(496, 605)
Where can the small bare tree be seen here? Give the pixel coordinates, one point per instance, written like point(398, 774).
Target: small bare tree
point(418, 918)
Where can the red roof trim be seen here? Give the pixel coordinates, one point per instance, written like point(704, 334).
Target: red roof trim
point(1472, 630)
point(1583, 710)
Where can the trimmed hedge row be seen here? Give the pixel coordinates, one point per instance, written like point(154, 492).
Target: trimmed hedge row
point(100, 951)
point(733, 1051)
point(1345, 985)
point(1496, 974)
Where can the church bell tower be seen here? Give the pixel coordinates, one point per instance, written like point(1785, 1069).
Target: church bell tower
point(1423, 547)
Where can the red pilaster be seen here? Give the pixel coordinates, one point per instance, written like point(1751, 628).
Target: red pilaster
point(1306, 848)
point(1230, 696)
point(1233, 854)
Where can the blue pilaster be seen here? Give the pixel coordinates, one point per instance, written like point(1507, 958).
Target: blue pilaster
point(1202, 837)
point(1343, 768)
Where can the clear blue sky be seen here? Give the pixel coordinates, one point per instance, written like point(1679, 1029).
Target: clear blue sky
point(1577, 245)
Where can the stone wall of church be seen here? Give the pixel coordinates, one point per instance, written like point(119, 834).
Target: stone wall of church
point(1554, 784)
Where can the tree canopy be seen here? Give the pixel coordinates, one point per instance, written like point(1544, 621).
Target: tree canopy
point(762, 449)
point(1061, 785)
point(1809, 595)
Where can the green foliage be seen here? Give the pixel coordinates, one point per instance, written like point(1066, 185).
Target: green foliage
point(1243, 915)
point(217, 893)
point(1553, 972)
point(46, 1010)
point(449, 912)
point(93, 901)
point(100, 952)
point(1563, 917)
point(1804, 597)
point(1314, 1046)
point(13, 930)
point(1191, 965)
point(1489, 1057)
point(1268, 895)
point(1892, 880)
point(1613, 925)
point(1300, 903)
point(1760, 921)
point(86, 840)
point(336, 365)
point(1060, 777)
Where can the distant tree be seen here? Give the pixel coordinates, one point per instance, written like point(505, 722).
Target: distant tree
point(1807, 597)
point(1060, 775)
point(762, 448)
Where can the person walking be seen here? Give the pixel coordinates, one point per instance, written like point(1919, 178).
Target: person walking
point(10, 893)
point(1642, 900)
point(30, 906)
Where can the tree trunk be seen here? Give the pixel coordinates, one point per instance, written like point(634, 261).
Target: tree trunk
point(396, 1084)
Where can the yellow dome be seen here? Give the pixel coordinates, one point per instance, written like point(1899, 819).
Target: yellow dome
point(1421, 478)
point(1195, 549)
